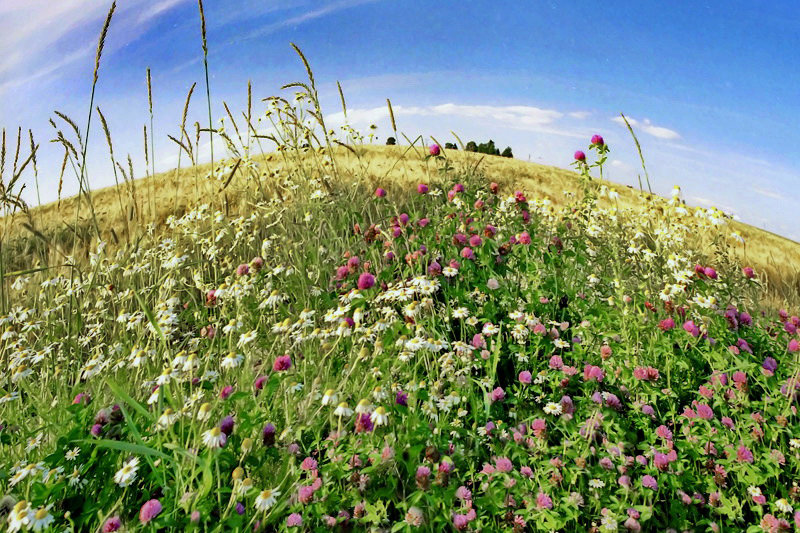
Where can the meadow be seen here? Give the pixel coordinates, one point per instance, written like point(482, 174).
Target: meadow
point(316, 333)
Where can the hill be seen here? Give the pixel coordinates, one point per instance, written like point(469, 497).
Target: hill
point(123, 212)
point(394, 342)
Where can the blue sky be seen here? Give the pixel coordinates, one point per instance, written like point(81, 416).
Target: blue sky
point(714, 87)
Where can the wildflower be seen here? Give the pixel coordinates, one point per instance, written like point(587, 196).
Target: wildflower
point(401, 398)
point(597, 140)
point(498, 394)
point(553, 408)
point(756, 494)
point(294, 520)
point(380, 193)
point(226, 425)
point(666, 324)
point(127, 474)
point(579, 156)
point(422, 188)
point(41, 519)
point(460, 522)
point(364, 423)
point(525, 377)
point(232, 360)
point(214, 438)
point(649, 482)
point(282, 363)
point(329, 397)
point(591, 372)
point(783, 506)
point(434, 149)
point(646, 373)
point(504, 464)
point(19, 516)
point(690, 328)
point(268, 435)
point(743, 455)
point(543, 501)
point(366, 281)
point(343, 410)
point(422, 477)
point(597, 483)
point(379, 417)
point(112, 524)
point(704, 411)
point(149, 510)
point(266, 499)
point(414, 517)
point(664, 432)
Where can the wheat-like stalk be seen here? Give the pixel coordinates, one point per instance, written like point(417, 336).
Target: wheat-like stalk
point(61, 175)
point(203, 25)
point(208, 84)
point(3, 155)
point(149, 91)
point(72, 124)
point(152, 135)
point(341, 96)
point(16, 150)
point(107, 132)
point(101, 43)
point(391, 115)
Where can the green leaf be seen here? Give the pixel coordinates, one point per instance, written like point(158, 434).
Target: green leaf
point(125, 397)
point(137, 449)
point(150, 317)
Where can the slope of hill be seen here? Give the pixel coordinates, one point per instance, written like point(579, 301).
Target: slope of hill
point(122, 212)
point(389, 343)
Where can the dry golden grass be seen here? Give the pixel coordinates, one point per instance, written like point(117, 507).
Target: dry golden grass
point(47, 234)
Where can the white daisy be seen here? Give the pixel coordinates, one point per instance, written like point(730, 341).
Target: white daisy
point(127, 474)
point(329, 397)
point(266, 499)
point(379, 417)
point(343, 410)
point(214, 438)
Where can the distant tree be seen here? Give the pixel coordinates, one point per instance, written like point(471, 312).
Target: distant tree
point(471, 147)
point(488, 148)
point(391, 141)
point(450, 146)
point(507, 152)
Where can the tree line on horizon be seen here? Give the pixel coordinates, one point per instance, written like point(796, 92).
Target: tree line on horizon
point(483, 148)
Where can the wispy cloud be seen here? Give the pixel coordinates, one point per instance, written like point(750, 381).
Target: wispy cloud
point(305, 17)
point(38, 38)
point(158, 9)
point(48, 69)
point(767, 193)
point(527, 118)
point(649, 128)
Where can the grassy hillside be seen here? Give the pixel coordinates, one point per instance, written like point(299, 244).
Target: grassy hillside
point(124, 212)
point(386, 341)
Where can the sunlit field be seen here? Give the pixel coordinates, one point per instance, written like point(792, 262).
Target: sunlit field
point(315, 332)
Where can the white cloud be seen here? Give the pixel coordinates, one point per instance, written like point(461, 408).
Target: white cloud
point(157, 9)
point(649, 128)
point(767, 193)
point(305, 17)
point(40, 37)
point(48, 69)
point(526, 118)
point(580, 115)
